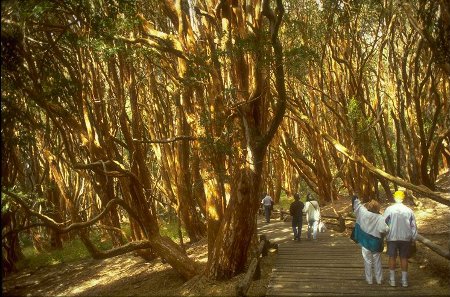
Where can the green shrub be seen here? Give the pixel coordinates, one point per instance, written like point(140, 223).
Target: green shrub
point(72, 250)
point(285, 200)
point(75, 250)
point(170, 229)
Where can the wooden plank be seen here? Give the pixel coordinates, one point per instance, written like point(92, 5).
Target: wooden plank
point(353, 274)
point(398, 292)
point(244, 284)
point(324, 254)
point(330, 265)
point(324, 284)
point(320, 250)
point(394, 292)
point(306, 255)
point(325, 270)
point(341, 288)
point(318, 260)
point(330, 254)
point(290, 292)
point(253, 271)
point(301, 293)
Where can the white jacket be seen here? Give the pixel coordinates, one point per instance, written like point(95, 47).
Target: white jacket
point(369, 222)
point(312, 211)
point(369, 228)
point(401, 222)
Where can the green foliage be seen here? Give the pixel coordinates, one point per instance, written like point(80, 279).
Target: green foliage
point(297, 59)
point(357, 117)
point(39, 9)
point(72, 251)
point(5, 206)
point(75, 250)
point(353, 109)
point(285, 200)
point(170, 229)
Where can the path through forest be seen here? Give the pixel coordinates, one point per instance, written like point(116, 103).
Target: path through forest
point(127, 275)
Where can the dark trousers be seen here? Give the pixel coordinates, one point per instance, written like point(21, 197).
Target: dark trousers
point(267, 209)
point(297, 227)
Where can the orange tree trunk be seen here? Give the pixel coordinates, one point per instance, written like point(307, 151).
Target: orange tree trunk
point(229, 254)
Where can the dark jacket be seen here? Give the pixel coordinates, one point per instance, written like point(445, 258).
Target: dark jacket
point(296, 209)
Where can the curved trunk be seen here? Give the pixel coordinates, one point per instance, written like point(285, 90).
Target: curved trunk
point(229, 255)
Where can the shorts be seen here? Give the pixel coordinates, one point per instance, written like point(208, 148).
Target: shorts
point(401, 246)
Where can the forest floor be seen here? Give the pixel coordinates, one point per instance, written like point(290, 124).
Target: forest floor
point(129, 275)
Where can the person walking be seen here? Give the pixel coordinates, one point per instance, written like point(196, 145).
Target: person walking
point(296, 211)
point(402, 231)
point(312, 211)
point(368, 232)
point(267, 203)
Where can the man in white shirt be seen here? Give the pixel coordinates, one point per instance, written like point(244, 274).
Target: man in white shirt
point(267, 203)
point(402, 231)
point(312, 211)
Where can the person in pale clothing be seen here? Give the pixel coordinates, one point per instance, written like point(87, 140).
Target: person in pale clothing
point(312, 211)
point(369, 230)
point(402, 231)
point(267, 203)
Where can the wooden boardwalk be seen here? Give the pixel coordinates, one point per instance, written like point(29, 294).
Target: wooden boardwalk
point(333, 266)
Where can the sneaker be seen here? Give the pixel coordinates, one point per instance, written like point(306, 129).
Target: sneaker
point(404, 284)
point(370, 282)
point(392, 283)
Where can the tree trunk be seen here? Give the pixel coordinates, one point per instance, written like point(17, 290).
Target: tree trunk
point(232, 243)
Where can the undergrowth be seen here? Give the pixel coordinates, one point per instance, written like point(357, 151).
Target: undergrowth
point(74, 250)
point(285, 200)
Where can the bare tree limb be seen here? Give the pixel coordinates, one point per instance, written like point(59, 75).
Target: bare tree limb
point(421, 189)
point(434, 247)
point(168, 140)
point(275, 21)
point(162, 46)
point(129, 247)
point(49, 222)
point(18, 230)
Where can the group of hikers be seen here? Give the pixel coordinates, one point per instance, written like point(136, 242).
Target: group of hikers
point(311, 208)
point(397, 225)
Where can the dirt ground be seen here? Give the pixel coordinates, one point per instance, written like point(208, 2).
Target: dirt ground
point(125, 275)
point(129, 275)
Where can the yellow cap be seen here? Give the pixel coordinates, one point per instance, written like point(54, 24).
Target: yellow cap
point(399, 195)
